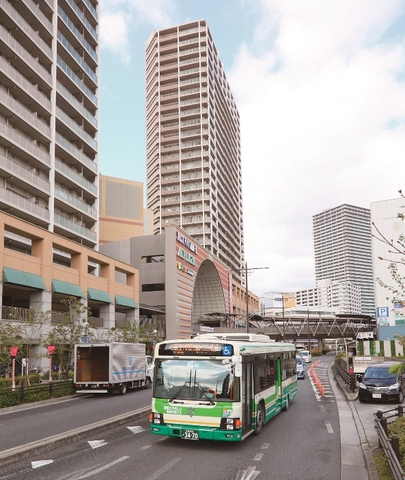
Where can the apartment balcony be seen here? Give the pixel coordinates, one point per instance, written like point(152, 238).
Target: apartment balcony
point(23, 207)
point(29, 37)
point(71, 229)
point(76, 129)
point(38, 100)
point(23, 178)
point(27, 65)
point(75, 105)
point(83, 19)
point(72, 204)
point(65, 175)
point(9, 137)
point(75, 154)
point(23, 117)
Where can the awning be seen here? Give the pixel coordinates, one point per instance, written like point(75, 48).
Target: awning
point(125, 301)
point(67, 288)
point(99, 295)
point(19, 277)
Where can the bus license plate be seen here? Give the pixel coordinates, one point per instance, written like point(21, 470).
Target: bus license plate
point(376, 395)
point(190, 435)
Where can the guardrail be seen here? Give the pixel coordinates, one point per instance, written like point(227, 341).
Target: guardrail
point(348, 378)
point(390, 445)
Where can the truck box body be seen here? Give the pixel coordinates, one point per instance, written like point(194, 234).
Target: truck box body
point(105, 367)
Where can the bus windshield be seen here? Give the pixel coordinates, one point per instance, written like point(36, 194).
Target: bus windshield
point(182, 379)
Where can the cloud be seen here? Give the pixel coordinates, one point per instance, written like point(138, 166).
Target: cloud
point(119, 17)
point(321, 95)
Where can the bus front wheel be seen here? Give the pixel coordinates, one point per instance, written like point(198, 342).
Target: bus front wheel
point(259, 419)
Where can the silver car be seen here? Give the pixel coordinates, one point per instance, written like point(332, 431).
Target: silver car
point(300, 367)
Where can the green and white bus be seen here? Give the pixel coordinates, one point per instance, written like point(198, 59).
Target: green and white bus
point(220, 386)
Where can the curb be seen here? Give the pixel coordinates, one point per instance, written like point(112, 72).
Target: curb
point(46, 444)
point(365, 447)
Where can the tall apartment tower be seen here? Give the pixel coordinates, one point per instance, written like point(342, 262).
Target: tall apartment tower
point(48, 115)
point(194, 168)
point(342, 243)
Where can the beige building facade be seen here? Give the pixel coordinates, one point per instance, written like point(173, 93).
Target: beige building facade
point(122, 214)
point(39, 269)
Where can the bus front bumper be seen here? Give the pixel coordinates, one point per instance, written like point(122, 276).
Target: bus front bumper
point(193, 433)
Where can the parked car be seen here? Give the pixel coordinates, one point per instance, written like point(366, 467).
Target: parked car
point(300, 367)
point(378, 383)
point(306, 356)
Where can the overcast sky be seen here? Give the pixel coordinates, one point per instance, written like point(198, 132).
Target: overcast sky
point(320, 87)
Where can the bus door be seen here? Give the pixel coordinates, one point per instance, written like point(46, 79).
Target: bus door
point(247, 393)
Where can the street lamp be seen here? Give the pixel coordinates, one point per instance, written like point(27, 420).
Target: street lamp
point(247, 291)
point(51, 349)
point(13, 353)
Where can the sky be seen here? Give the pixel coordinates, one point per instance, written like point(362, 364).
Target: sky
point(320, 88)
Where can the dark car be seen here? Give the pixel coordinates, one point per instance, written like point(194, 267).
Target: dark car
point(378, 383)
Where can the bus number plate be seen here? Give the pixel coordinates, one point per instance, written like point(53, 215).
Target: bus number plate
point(190, 435)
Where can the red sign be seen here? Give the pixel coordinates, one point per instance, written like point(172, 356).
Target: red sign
point(51, 349)
point(13, 351)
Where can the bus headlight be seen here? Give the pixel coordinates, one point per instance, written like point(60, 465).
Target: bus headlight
point(230, 424)
point(156, 418)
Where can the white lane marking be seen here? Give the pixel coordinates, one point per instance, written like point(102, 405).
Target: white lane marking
point(258, 456)
point(322, 408)
point(314, 389)
point(136, 429)
point(146, 447)
point(163, 470)
point(265, 445)
point(249, 474)
point(40, 463)
point(97, 443)
point(329, 427)
point(101, 469)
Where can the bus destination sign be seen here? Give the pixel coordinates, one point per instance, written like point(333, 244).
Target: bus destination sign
point(196, 349)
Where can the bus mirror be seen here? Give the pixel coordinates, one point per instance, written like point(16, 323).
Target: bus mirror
point(225, 361)
point(228, 368)
point(238, 370)
point(236, 359)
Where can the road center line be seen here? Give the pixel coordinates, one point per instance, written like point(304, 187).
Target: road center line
point(329, 427)
point(163, 469)
point(105, 467)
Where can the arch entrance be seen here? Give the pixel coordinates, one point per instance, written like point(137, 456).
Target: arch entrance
point(208, 296)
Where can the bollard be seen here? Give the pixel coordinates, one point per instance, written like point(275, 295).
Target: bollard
point(400, 410)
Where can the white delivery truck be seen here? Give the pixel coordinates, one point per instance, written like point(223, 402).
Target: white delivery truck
point(111, 367)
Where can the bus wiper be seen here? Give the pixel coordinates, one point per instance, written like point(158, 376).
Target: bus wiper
point(179, 390)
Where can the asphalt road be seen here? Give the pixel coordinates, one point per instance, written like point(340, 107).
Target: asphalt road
point(303, 442)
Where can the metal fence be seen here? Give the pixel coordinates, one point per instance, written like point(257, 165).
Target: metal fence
point(390, 445)
point(42, 391)
point(348, 378)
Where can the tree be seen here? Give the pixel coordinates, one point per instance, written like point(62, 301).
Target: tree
point(11, 335)
point(76, 324)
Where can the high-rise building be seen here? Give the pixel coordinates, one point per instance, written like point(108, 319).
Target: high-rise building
point(194, 171)
point(49, 115)
point(342, 243)
point(49, 169)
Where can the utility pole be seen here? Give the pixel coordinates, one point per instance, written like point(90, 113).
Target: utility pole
point(247, 270)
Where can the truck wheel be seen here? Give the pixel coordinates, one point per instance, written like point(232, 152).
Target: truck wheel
point(123, 389)
point(147, 383)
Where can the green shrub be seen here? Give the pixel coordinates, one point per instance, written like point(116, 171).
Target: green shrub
point(315, 352)
point(398, 428)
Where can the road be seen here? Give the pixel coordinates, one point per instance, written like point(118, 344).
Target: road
point(303, 442)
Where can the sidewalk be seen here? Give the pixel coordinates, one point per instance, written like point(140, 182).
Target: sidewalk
point(356, 454)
